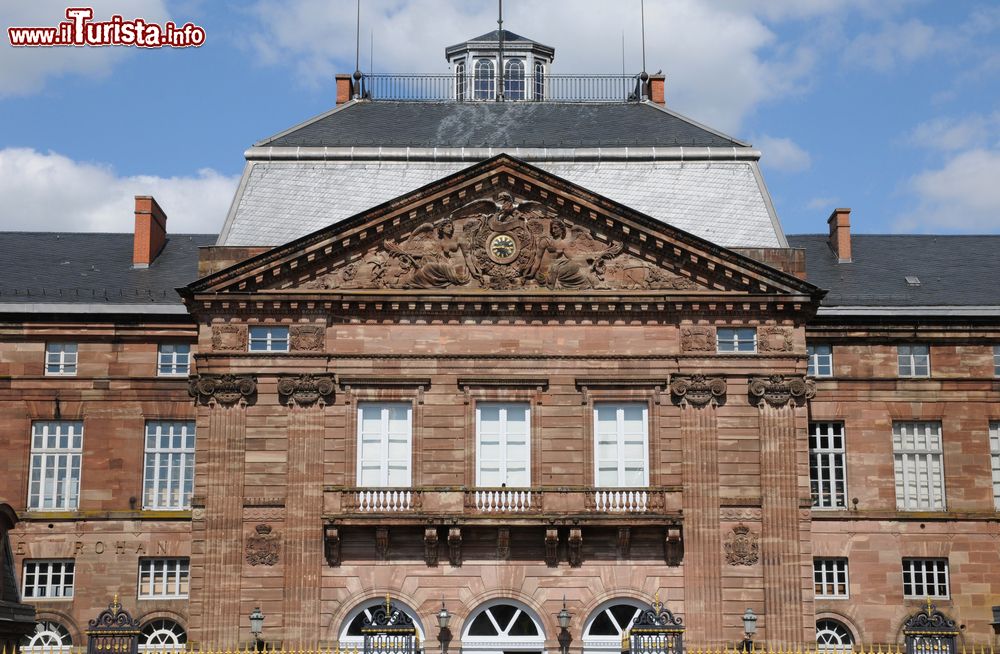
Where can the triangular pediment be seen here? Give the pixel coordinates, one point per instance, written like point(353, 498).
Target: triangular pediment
point(502, 227)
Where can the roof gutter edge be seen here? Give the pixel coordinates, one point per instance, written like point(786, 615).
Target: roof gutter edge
point(74, 308)
point(918, 311)
point(351, 153)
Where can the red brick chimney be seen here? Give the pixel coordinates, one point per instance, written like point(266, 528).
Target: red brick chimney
point(657, 89)
point(345, 90)
point(150, 231)
point(840, 234)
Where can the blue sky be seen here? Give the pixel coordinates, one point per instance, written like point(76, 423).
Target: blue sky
point(889, 107)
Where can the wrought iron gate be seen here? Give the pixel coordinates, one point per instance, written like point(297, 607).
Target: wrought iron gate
point(655, 630)
point(113, 631)
point(390, 631)
point(930, 632)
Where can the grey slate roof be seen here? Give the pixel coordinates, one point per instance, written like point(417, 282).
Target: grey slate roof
point(500, 125)
point(87, 268)
point(495, 36)
point(953, 270)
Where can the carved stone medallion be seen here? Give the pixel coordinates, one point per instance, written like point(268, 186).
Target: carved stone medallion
point(309, 338)
point(698, 338)
point(229, 337)
point(778, 390)
point(262, 547)
point(306, 390)
point(224, 389)
point(774, 339)
point(742, 546)
point(697, 390)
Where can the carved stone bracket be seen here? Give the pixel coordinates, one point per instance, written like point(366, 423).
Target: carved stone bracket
point(223, 389)
point(586, 384)
point(673, 546)
point(431, 545)
point(698, 338)
point(575, 547)
point(229, 337)
point(774, 339)
point(262, 547)
point(552, 547)
point(742, 546)
point(503, 543)
point(308, 338)
point(332, 545)
point(455, 546)
point(382, 543)
point(697, 390)
point(779, 390)
point(306, 390)
point(624, 541)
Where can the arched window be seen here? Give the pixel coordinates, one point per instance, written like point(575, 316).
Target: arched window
point(460, 80)
point(603, 631)
point(503, 626)
point(833, 636)
point(513, 79)
point(162, 636)
point(539, 81)
point(48, 637)
point(350, 632)
point(484, 83)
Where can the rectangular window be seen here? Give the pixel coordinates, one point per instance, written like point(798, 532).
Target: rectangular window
point(925, 578)
point(995, 460)
point(173, 359)
point(54, 481)
point(621, 445)
point(919, 467)
point(163, 578)
point(820, 360)
point(503, 438)
point(827, 476)
point(48, 579)
point(830, 578)
point(996, 360)
point(737, 339)
point(268, 338)
point(169, 466)
point(384, 444)
point(60, 358)
point(914, 360)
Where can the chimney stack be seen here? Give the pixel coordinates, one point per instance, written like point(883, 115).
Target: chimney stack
point(150, 231)
point(657, 89)
point(840, 234)
point(345, 90)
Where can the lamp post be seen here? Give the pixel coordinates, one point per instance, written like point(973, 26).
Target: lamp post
point(749, 629)
point(256, 628)
point(996, 620)
point(445, 634)
point(564, 618)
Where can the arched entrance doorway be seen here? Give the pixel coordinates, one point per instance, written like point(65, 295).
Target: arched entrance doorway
point(350, 634)
point(602, 633)
point(502, 627)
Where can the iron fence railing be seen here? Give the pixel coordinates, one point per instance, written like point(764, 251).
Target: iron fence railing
point(527, 88)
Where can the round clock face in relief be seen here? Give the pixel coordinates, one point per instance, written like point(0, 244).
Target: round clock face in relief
point(503, 248)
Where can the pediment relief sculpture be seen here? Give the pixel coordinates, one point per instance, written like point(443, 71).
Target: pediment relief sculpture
point(501, 244)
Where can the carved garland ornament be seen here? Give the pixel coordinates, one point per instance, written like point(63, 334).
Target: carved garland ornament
point(262, 547)
point(224, 389)
point(742, 546)
point(501, 244)
point(306, 390)
point(697, 390)
point(778, 390)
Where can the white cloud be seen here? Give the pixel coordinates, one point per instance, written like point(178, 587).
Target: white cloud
point(896, 43)
point(782, 154)
point(65, 195)
point(961, 196)
point(822, 203)
point(25, 70)
point(957, 133)
point(720, 57)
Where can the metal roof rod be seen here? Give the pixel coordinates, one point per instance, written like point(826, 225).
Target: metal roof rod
point(499, 93)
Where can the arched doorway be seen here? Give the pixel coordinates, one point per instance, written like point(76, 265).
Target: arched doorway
point(350, 634)
point(503, 626)
point(162, 635)
point(602, 633)
point(833, 636)
point(49, 637)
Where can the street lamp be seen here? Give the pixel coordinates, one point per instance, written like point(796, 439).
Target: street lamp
point(564, 618)
point(749, 629)
point(256, 628)
point(445, 634)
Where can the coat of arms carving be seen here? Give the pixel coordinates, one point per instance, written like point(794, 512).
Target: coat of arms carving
point(742, 546)
point(262, 546)
point(501, 244)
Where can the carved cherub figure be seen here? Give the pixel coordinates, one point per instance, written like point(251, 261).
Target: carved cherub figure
point(429, 255)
